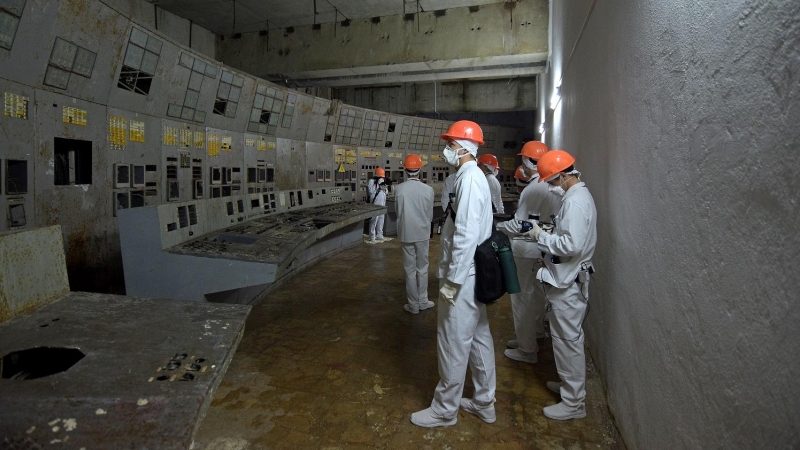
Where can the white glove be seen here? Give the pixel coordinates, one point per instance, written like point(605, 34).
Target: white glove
point(534, 233)
point(448, 292)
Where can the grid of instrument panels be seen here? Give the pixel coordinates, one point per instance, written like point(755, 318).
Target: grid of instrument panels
point(139, 65)
point(67, 59)
point(228, 93)
point(350, 121)
point(375, 126)
point(266, 111)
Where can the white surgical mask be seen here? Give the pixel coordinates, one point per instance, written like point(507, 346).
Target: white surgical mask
point(558, 190)
point(450, 156)
point(529, 164)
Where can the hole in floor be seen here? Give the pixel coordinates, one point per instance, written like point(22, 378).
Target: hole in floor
point(39, 362)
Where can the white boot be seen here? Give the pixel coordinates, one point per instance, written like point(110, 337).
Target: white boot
point(485, 413)
point(554, 386)
point(428, 419)
point(561, 411)
point(518, 355)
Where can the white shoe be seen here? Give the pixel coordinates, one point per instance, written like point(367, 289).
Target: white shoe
point(518, 355)
point(427, 305)
point(554, 386)
point(387, 239)
point(512, 343)
point(410, 309)
point(380, 240)
point(561, 411)
point(429, 419)
point(371, 242)
point(486, 413)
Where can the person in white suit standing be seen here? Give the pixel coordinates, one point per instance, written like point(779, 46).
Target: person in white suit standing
point(414, 204)
point(463, 336)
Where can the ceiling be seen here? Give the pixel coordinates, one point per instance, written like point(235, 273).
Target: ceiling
point(241, 16)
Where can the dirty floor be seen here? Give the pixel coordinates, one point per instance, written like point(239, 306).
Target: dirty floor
point(331, 361)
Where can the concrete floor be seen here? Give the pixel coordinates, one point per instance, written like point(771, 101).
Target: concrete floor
point(331, 361)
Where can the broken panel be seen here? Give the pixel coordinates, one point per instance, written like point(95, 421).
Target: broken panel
point(16, 176)
point(139, 63)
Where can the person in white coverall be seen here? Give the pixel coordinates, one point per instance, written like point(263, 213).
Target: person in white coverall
point(528, 306)
point(490, 166)
point(414, 204)
point(566, 272)
point(463, 336)
point(376, 188)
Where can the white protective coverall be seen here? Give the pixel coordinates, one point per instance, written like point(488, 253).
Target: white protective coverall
point(414, 204)
point(496, 191)
point(377, 196)
point(449, 183)
point(572, 242)
point(463, 329)
point(528, 306)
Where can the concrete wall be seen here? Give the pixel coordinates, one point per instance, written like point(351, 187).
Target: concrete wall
point(502, 95)
point(683, 117)
point(181, 31)
point(511, 28)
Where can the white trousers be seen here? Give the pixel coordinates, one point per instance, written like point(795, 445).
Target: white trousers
point(463, 338)
point(376, 227)
point(528, 306)
point(568, 311)
point(415, 263)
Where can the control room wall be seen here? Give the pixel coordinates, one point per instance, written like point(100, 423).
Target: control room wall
point(164, 138)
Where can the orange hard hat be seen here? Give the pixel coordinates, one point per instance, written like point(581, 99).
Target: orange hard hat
point(464, 129)
point(380, 172)
point(489, 159)
point(552, 163)
point(412, 162)
point(533, 150)
point(520, 174)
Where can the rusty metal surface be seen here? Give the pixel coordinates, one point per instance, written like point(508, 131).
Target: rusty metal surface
point(32, 270)
point(274, 239)
point(112, 398)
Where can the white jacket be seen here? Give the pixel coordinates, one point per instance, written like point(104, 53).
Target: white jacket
point(414, 205)
point(496, 191)
point(573, 240)
point(372, 189)
point(536, 199)
point(473, 224)
point(449, 182)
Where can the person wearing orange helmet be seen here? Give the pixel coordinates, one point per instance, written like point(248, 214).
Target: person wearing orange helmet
point(530, 153)
point(536, 204)
point(414, 205)
point(490, 166)
point(376, 188)
point(463, 337)
point(566, 272)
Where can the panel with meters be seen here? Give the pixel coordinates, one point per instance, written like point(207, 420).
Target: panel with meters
point(346, 169)
point(368, 160)
point(260, 163)
point(182, 157)
point(320, 167)
point(223, 174)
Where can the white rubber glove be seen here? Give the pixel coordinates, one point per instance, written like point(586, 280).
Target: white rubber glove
point(534, 233)
point(448, 292)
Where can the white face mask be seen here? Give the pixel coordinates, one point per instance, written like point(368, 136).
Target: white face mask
point(529, 164)
point(450, 156)
point(558, 190)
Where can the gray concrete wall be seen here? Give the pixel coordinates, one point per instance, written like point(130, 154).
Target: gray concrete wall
point(511, 28)
point(180, 30)
point(502, 95)
point(683, 117)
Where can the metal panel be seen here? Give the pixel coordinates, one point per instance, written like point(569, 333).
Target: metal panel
point(17, 142)
point(32, 270)
point(292, 163)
